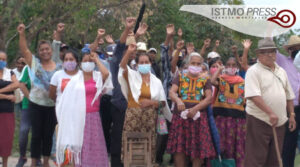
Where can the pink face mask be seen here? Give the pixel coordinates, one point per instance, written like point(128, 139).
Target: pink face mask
point(213, 70)
point(231, 71)
point(195, 70)
point(70, 65)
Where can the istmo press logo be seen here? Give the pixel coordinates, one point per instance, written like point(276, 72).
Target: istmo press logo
point(260, 21)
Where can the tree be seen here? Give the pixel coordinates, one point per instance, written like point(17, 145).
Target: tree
point(195, 28)
point(82, 19)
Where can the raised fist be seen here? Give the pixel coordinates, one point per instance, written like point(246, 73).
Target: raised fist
point(21, 29)
point(60, 27)
point(130, 21)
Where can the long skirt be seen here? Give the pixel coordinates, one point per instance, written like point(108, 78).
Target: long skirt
point(7, 129)
point(191, 137)
point(94, 153)
point(141, 120)
point(232, 138)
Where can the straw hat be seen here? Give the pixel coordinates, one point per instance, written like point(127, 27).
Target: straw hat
point(293, 41)
point(141, 46)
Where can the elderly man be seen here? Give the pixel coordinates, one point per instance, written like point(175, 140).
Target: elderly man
point(269, 99)
point(290, 140)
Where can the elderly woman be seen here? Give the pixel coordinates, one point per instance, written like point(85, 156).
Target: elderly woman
point(145, 95)
point(189, 133)
point(230, 111)
point(8, 83)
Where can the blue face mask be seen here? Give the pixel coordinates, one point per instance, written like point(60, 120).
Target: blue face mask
point(144, 68)
point(110, 58)
point(2, 64)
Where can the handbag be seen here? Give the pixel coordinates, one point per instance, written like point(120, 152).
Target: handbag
point(161, 124)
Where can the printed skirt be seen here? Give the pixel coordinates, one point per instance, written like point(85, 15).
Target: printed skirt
point(141, 120)
point(232, 138)
point(193, 138)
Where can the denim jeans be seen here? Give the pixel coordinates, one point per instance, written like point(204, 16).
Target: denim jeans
point(25, 125)
point(53, 149)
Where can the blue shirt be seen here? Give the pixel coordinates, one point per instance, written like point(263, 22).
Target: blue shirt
point(242, 74)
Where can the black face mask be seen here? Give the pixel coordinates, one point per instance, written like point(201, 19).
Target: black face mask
point(294, 53)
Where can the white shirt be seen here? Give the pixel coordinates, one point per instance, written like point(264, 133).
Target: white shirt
point(17, 73)
point(60, 79)
point(273, 87)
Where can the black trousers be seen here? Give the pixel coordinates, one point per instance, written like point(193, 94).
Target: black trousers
point(290, 142)
point(43, 121)
point(161, 145)
point(162, 141)
point(116, 136)
point(106, 118)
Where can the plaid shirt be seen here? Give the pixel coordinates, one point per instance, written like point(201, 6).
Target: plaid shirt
point(166, 68)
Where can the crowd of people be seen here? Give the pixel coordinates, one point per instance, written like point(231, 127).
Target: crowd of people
point(197, 106)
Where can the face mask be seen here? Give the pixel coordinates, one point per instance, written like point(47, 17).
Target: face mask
point(231, 71)
point(70, 65)
point(194, 69)
point(88, 66)
point(2, 64)
point(144, 68)
point(109, 58)
point(213, 70)
point(294, 53)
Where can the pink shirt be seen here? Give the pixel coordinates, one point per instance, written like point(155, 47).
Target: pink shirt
point(90, 91)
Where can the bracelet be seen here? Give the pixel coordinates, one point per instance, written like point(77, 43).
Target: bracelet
point(292, 114)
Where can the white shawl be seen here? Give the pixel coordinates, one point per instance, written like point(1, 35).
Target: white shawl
point(6, 74)
point(71, 111)
point(135, 84)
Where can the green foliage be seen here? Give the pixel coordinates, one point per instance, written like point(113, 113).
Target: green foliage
point(83, 18)
point(195, 28)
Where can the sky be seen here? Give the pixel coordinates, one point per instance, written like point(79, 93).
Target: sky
point(290, 4)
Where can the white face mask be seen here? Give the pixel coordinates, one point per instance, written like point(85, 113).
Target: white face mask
point(88, 66)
